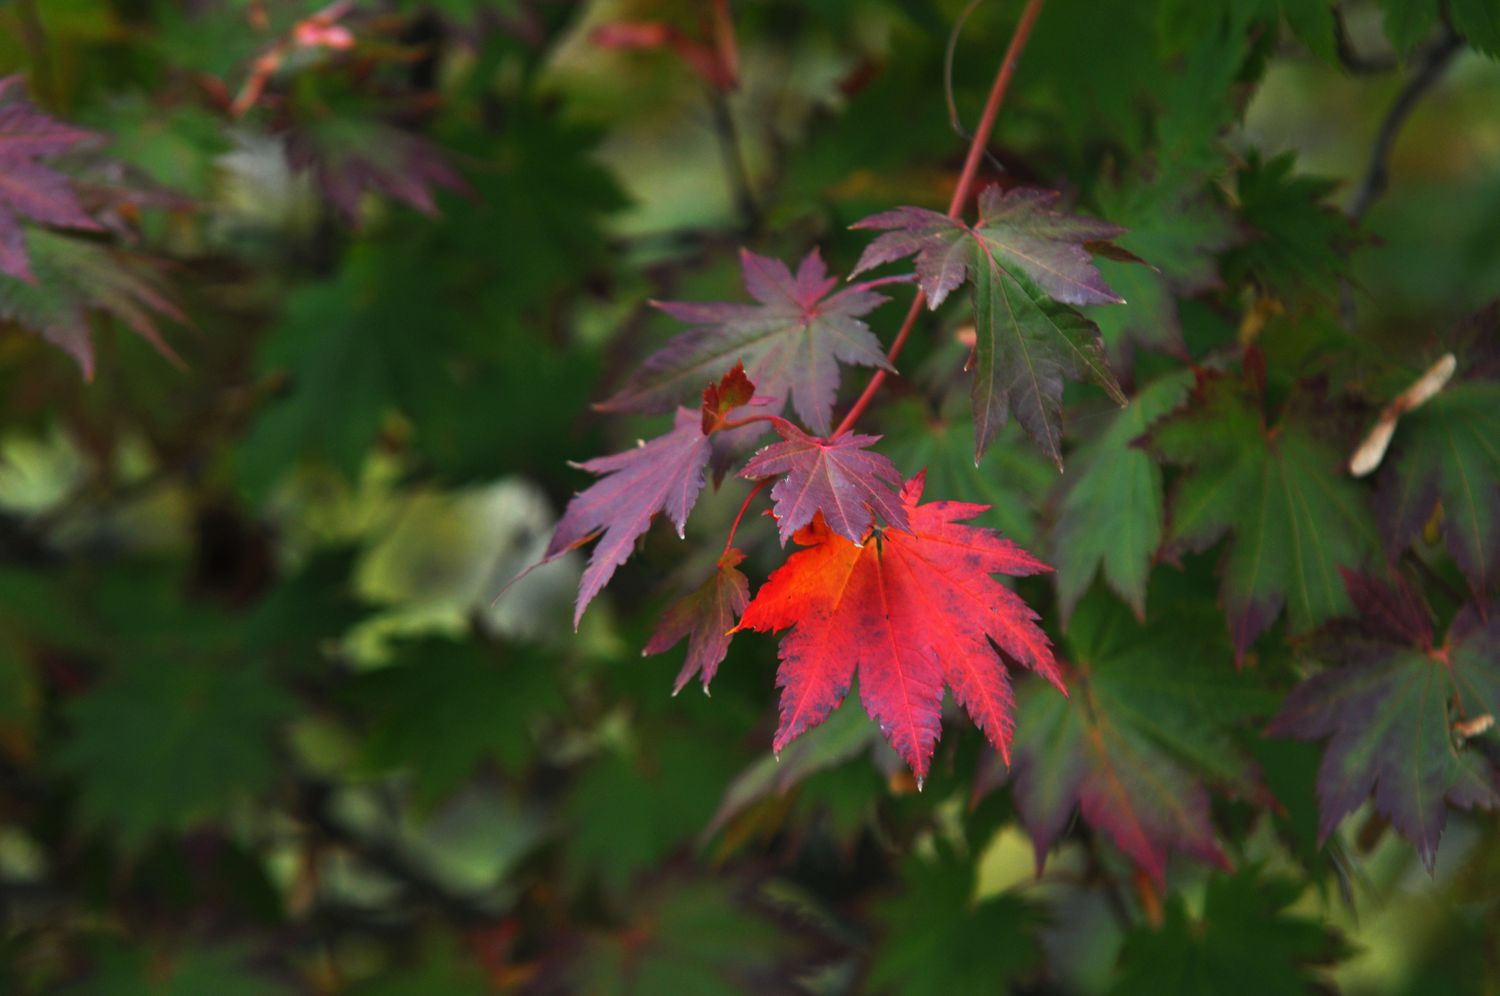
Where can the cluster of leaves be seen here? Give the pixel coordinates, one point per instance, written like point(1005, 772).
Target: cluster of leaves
point(1230, 693)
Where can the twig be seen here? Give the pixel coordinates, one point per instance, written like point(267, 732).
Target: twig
point(732, 152)
point(1377, 173)
point(34, 39)
point(960, 195)
point(1350, 57)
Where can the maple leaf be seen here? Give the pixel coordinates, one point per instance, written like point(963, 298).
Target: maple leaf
point(29, 189)
point(837, 477)
point(1017, 228)
point(1147, 729)
point(1110, 519)
point(1295, 517)
point(1247, 941)
point(910, 611)
point(73, 276)
point(704, 617)
point(1446, 451)
point(1399, 711)
point(1179, 231)
point(1299, 246)
point(1021, 258)
point(350, 157)
point(733, 390)
point(664, 475)
point(790, 343)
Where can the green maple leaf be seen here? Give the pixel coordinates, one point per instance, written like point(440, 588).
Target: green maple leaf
point(686, 937)
point(1280, 491)
point(939, 940)
point(1110, 520)
point(1297, 246)
point(1178, 231)
point(444, 708)
point(1245, 942)
point(1010, 479)
point(1148, 726)
point(167, 744)
point(132, 971)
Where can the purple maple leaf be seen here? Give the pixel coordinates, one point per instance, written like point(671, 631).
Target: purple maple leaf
point(349, 159)
point(791, 342)
point(705, 617)
point(1398, 713)
point(29, 189)
point(1018, 230)
point(664, 475)
point(839, 478)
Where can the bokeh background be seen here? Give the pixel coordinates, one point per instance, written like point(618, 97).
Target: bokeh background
point(262, 727)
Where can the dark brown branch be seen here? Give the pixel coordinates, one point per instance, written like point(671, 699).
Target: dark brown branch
point(1377, 174)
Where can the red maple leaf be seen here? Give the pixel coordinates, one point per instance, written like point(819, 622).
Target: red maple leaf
point(838, 477)
point(705, 617)
point(29, 189)
point(910, 611)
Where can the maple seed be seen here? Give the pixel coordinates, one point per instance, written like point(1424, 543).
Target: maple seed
point(1371, 450)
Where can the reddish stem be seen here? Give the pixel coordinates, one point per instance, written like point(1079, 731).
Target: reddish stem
point(736, 423)
point(960, 195)
point(728, 543)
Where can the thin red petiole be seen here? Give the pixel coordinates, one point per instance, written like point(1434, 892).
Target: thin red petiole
point(729, 543)
point(960, 196)
point(751, 420)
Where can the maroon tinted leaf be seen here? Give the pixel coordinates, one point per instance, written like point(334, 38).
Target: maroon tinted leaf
point(731, 392)
point(1018, 229)
point(1025, 262)
point(1145, 734)
point(351, 157)
point(73, 277)
point(705, 618)
point(790, 343)
point(1401, 715)
point(839, 478)
point(664, 475)
point(29, 189)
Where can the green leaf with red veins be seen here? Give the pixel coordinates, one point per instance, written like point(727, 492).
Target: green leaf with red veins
point(1407, 720)
point(29, 189)
point(838, 477)
point(1022, 259)
point(704, 617)
point(1296, 518)
point(1147, 729)
point(1018, 229)
point(791, 342)
point(664, 475)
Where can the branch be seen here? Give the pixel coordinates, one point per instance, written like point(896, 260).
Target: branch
point(1350, 58)
point(960, 195)
point(315, 806)
point(1377, 173)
